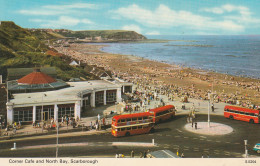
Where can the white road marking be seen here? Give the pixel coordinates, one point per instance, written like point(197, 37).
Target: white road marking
point(179, 130)
point(177, 136)
point(185, 137)
point(168, 135)
point(203, 137)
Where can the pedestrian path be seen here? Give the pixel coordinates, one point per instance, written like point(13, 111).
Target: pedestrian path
point(134, 144)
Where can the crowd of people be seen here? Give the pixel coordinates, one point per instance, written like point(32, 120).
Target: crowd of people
point(159, 77)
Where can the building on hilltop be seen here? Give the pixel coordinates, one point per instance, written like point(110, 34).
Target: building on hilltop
point(40, 103)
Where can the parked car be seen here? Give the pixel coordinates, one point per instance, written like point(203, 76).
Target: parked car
point(257, 148)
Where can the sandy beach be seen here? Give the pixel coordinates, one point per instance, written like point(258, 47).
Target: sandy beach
point(172, 80)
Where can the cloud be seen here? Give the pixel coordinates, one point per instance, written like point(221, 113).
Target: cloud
point(241, 14)
point(61, 22)
point(164, 17)
point(214, 10)
point(72, 6)
point(40, 12)
point(244, 11)
point(153, 33)
point(132, 27)
point(48, 10)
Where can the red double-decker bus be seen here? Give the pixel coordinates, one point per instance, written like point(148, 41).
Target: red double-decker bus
point(243, 114)
point(162, 113)
point(132, 124)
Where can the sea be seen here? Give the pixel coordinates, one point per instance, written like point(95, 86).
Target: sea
point(237, 55)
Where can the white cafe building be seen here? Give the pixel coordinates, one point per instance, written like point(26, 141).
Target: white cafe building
point(37, 96)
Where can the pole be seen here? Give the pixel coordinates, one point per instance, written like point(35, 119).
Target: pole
point(209, 113)
point(42, 109)
point(57, 148)
point(7, 97)
point(246, 152)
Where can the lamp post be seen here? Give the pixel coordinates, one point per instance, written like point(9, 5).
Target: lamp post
point(246, 151)
point(57, 142)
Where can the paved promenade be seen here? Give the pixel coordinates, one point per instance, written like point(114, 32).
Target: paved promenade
point(201, 107)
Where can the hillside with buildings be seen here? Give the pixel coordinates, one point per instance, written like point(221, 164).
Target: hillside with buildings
point(22, 48)
point(88, 35)
point(116, 35)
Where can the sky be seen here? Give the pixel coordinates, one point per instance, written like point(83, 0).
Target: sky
point(148, 17)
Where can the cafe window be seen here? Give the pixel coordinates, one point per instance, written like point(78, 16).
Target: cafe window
point(23, 115)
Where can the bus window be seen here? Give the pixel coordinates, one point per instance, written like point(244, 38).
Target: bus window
point(140, 118)
point(128, 128)
point(128, 119)
point(134, 119)
point(122, 120)
point(134, 127)
point(139, 127)
point(113, 120)
point(145, 117)
point(122, 129)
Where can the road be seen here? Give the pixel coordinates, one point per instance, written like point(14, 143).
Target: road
point(169, 135)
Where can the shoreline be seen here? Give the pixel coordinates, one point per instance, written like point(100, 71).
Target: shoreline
point(173, 79)
point(182, 66)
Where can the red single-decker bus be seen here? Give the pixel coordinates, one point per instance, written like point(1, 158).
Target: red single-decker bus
point(132, 124)
point(162, 113)
point(243, 114)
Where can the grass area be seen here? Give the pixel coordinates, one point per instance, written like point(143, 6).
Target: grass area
point(21, 48)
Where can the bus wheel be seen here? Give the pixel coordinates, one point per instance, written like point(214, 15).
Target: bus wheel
point(251, 121)
point(152, 130)
point(231, 117)
point(127, 134)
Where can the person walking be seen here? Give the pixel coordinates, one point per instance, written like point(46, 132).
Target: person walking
point(132, 154)
point(96, 126)
point(212, 107)
point(182, 155)
point(196, 125)
point(145, 154)
point(141, 154)
point(67, 120)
